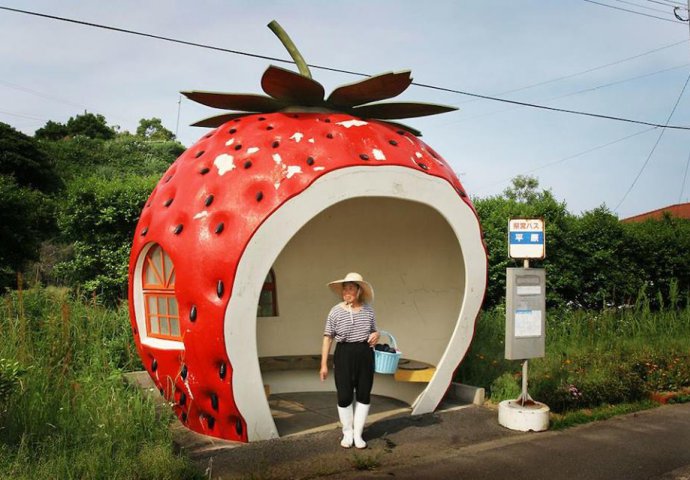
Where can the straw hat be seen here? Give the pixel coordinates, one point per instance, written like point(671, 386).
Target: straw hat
point(367, 289)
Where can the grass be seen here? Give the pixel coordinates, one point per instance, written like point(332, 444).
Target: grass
point(602, 412)
point(67, 413)
point(618, 357)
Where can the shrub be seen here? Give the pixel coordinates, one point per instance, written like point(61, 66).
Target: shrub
point(504, 387)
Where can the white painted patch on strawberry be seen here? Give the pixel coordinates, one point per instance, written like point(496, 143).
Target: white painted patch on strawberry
point(229, 142)
point(293, 169)
point(311, 140)
point(201, 215)
point(224, 163)
point(318, 169)
point(277, 159)
point(252, 150)
point(353, 123)
point(297, 137)
point(378, 154)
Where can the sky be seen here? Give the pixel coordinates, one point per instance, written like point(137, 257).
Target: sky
point(566, 54)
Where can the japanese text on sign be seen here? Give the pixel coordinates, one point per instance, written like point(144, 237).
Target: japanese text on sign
point(526, 238)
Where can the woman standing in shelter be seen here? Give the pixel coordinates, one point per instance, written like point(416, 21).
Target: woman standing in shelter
point(352, 324)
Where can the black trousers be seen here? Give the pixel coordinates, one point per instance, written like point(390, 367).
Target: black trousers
point(353, 369)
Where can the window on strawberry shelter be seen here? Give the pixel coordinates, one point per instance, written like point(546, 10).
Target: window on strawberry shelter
point(162, 316)
point(268, 300)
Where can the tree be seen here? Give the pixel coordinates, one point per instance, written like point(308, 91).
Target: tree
point(26, 217)
point(52, 131)
point(523, 200)
point(90, 125)
point(523, 189)
point(99, 217)
point(87, 124)
point(153, 129)
point(22, 159)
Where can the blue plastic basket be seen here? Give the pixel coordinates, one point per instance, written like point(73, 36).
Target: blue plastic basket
point(387, 362)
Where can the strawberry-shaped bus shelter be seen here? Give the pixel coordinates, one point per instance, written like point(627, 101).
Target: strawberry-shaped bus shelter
point(235, 245)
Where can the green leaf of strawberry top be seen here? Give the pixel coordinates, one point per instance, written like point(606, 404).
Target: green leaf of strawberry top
point(196, 224)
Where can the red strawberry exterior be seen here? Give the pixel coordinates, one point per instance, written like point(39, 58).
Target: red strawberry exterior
point(222, 188)
point(212, 205)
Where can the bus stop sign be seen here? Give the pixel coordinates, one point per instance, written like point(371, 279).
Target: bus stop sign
point(526, 238)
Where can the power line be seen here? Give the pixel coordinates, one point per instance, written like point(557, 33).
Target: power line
point(579, 92)
point(669, 3)
point(645, 7)
point(633, 11)
point(570, 157)
point(685, 176)
point(593, 69)
point(661, 134)
point(39, 94)
point(264, 57)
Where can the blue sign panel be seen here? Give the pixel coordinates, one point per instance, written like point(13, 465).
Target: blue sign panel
point(526, 238)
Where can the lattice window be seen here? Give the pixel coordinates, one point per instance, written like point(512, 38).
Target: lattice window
point(162, 316)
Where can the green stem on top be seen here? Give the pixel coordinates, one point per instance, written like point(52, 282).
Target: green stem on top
point(291, 48)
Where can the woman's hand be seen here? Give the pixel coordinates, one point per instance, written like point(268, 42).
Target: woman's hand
point(324, 372)
point(373, 338)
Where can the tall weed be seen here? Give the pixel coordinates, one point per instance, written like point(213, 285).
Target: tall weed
point(592, 357)
point(73, 415)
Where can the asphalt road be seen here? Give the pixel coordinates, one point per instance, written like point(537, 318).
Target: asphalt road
point(653, 444)
point(469, 444)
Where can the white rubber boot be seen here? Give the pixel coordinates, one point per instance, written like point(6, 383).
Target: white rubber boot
point(361, 412)
point(346, 419)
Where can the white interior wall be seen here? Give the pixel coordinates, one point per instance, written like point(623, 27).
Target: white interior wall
point(405, 249)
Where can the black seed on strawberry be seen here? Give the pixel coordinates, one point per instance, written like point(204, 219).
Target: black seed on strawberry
point(238, 426)
point(270, 127)
point(238, 147)
point(144, 231)
point(154, 365)
point(232, 130)
point(178, 229)
point(183, 372)
point(247, 164)
point(276, 144)
point(209, 200)
point(223, 370)
point(192, 313)
point(423, 166)
point(211, 422)
point(204, 171)
point(168, 202)
point(168, 178)
point(214, 401)
point(220, 288)
point(199, 153)
point(184, 417)
point(364, 156)
point(183, 398)
point(220, 227)
point(261, 119)
point(329, 135)
point(393, 142)
point(310, 161)
point(259, 196)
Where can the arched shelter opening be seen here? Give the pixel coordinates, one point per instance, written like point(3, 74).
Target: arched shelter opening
point(408, 233)
point(405, 249)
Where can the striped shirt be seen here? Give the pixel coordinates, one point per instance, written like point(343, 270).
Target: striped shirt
point(348, 326)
